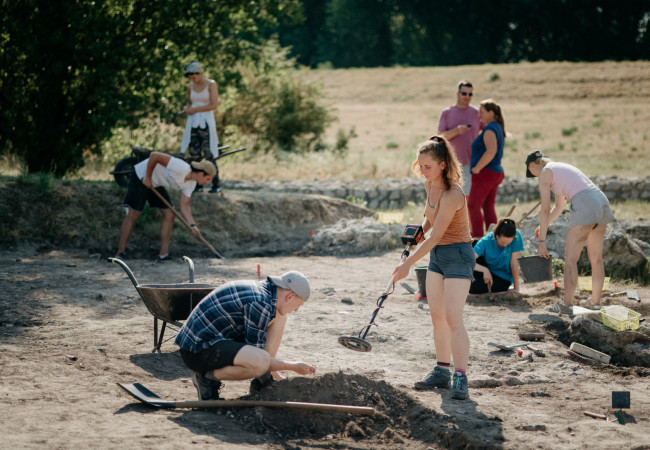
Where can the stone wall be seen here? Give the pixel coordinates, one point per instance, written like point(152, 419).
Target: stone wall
point(392, 193)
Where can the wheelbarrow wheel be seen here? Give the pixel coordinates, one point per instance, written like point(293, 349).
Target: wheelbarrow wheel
point(123, 170)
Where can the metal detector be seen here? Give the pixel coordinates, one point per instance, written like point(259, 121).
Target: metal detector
point(412, 235)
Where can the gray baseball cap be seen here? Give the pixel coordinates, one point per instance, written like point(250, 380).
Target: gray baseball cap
point(295, 282)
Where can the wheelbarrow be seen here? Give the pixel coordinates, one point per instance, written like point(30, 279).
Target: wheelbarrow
point(169, 303)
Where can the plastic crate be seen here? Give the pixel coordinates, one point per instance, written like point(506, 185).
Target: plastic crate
point(620, 318)
point(584, 283)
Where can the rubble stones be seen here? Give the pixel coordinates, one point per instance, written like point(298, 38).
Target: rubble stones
point(395, 193)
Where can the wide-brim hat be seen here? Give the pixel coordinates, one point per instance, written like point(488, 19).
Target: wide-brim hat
point(206, 166)
point(192, 67)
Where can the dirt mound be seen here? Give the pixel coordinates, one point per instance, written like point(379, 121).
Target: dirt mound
point(87, 216)
point(399, 418)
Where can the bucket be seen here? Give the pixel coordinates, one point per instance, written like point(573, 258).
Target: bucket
point(536, 268)
point(421, 274)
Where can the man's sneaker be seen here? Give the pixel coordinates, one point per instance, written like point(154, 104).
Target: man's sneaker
point(120, 255)
point(208, 389)
point(459, 386)
point(437, 378)
point(561, 308)
point(167, 257)
point(215, 189)
point(259, 383)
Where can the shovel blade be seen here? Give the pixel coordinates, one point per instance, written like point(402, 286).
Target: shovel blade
point(144, 395)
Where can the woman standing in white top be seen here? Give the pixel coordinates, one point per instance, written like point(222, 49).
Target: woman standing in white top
point(590, 214)
point(200, 134)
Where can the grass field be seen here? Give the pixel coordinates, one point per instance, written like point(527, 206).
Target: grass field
point(593, 115)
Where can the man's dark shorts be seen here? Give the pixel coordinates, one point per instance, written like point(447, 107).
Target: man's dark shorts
point(138, 194)
point(221, 354)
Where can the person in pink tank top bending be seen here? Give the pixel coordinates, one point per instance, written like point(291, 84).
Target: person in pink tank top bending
point(590, 214)
point(451, 263)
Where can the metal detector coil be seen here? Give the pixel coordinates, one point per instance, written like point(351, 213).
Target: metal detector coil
point(412, 235)
point(359, 343)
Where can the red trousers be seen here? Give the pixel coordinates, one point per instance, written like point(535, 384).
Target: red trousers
point(481, 199)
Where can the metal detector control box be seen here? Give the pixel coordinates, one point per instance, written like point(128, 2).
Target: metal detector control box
point(412, 234)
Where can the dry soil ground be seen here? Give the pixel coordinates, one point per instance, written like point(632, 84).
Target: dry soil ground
point(73, 327)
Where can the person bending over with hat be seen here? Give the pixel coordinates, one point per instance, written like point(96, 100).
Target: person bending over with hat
point(158, 172)
point(496, 259)
point(590, 214)
point(234, 333)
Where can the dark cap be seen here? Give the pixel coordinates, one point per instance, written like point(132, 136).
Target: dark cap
point(532, 156)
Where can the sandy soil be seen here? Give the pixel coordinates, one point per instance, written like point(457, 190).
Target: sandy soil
point(73, 327)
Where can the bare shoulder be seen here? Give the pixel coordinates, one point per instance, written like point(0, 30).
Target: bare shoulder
point(546, 175)
point(454, 196)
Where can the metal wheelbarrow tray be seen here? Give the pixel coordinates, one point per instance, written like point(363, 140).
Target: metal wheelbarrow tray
point(169, 303)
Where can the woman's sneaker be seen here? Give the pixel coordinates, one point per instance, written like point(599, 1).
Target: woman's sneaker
point(459, 386)
point(437, 378)
point(208, 389)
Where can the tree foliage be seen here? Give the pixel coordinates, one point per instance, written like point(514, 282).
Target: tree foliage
point(73, 70)
point(272, 108)
point(349, 33)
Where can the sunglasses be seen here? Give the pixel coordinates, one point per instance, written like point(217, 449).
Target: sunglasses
point(465, 94)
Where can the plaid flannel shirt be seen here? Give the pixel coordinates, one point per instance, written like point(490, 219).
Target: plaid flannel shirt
point(237, 311)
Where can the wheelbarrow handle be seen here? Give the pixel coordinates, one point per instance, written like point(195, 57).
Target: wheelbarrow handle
point(191, 264)
point(126, 269)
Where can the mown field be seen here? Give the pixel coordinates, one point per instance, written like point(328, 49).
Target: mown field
point(593, 115)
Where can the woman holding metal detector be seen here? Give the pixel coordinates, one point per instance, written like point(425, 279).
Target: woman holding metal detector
point(451, 262)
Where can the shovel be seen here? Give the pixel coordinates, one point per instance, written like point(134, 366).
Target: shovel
point(508, 348)
point(187, 225)
point(633, 294)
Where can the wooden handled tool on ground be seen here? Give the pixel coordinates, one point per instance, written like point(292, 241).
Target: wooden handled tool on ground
point(144, 395)
point(189, 227)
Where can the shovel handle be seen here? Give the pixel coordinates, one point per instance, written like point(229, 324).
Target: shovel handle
point(184, 222)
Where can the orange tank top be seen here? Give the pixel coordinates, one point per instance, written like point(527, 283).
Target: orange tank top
point(458, 229)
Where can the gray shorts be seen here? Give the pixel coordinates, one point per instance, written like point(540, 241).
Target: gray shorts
point(453, 260)
point(590, 207)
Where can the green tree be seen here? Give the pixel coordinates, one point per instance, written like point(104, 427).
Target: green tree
point(72, 71)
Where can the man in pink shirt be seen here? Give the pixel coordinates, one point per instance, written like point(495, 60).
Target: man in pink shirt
point(460, 125)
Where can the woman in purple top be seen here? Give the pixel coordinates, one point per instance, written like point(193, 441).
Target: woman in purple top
point(487, 173)
point(590, 214)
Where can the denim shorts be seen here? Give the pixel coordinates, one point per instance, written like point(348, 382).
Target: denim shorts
point(453, 260)
point(590, 207)
point(221, 354)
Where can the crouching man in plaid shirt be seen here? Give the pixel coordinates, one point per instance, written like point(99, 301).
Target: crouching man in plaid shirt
point(234, 333)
